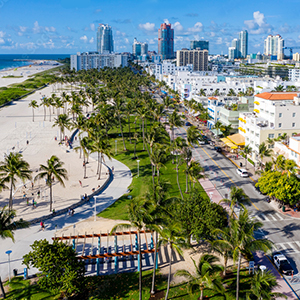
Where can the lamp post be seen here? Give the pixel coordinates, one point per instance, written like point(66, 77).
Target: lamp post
point(116, 146)
point(8, 252)
point(138, 162)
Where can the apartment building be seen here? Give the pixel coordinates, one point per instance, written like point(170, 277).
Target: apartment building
point(198, 58)
point(274, 114)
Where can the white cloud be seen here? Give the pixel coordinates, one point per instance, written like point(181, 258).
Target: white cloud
point(2, 34)
point(126, 41)
point(84, 38)
point(92, 40)
point(166, 21)
point(50, 29)
point(36, 27)
point(23, 28)
point(258, 24)
point(147, 26)
point(177, 26)
point(219, 41)
point(2, 41)
point(120, 33)
point(92, 27)
point(198, 27)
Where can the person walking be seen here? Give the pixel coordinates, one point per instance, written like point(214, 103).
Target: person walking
point(42, 225)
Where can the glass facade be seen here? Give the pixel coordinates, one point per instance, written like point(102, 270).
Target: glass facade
point(166, 41)
point(105, 43)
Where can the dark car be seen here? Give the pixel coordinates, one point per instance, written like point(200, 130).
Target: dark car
point(218, 149)
point(188, 124)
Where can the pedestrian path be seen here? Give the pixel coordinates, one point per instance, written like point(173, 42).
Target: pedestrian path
point(269, 217)
point(292, 247)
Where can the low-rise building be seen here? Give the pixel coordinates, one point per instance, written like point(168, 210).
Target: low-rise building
point(274, 114)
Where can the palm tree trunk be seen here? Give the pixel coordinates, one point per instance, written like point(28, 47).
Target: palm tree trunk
point(84, 170)
point(238, 276)
point(140, 267)
point(154, 264)
point(201, 293)
point(129, 129)
point(134, 148)
point(98, 163)
point(44, 113)
point(177, 173)
point(10, 196)
point(50, 113)
point(99, 176)
point(2, 289)
point(169, 276)
point(122, 133)
point(225, 264)
point(32, 115)
point(50, 196)
point(143, 134)
point(186, 178)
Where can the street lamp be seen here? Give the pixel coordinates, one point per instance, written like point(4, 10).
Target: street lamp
point(138, 162)
point(8, 252)
point(116, 146)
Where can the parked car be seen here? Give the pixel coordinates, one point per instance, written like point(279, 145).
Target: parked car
point(218, 149)
point(282, 264)
point(242, 172)
point(201, 142)
point(188, 124)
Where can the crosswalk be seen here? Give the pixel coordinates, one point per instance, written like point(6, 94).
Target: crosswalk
point(268, 217)
point(289, 247)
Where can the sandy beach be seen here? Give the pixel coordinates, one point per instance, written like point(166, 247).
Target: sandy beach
point(25, 72)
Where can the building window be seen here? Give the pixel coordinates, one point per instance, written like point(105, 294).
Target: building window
point(294, 115)
point(271, 136)
point(279, 134)
point(280, 115)
point(293, 124)
point(279, 125)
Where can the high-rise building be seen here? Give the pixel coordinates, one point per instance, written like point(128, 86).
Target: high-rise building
point(231, 53)
point(243, 44)
point(139, 48)
point(144, 49)
point(201, 45)
point(166, 41)
point(274, 46)
point(198, 58)
point(105, 43)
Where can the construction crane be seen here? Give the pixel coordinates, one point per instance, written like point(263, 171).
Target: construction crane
point(291, 50)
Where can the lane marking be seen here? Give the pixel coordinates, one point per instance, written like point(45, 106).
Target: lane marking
point(272, 217)
point(279, 216)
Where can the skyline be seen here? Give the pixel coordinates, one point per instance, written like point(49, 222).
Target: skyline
point(67, 27)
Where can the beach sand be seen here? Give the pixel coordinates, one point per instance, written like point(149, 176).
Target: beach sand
point(25, 71)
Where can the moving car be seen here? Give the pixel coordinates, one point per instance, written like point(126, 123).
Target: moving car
point(242, 172)
point(282, 264)
point(188, 124)
point(218, 149)
point(202, 141)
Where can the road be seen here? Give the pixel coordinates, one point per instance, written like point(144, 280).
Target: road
point(280, 229)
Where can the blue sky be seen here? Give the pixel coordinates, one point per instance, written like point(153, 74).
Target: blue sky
point(69, 26)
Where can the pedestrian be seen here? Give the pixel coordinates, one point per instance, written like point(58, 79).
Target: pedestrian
point(39, 193)
point(69, 211)
point(32, 202)
point(112, 169)
point(32, 184)
point(53, 211)
point(27, 142)
point(83, 164)
point(72, 212)
point(80, 183)
point(93, 190)
point(24, 195)
point(42, 225)
point(27, 200)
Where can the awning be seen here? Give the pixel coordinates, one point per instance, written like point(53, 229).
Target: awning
point(237, 139)
point(229, 143)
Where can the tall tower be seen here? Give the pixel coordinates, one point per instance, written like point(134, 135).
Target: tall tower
point(243, 44)
point(166, 41)
point(105, 42)
point(274, 46)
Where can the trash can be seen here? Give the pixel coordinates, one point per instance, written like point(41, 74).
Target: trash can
point(15, 271)
point(241, 164)
point(283, 208)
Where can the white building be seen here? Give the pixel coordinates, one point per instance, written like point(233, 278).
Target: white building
point(93, 60)
point(274, 46)
point(274, 114)
point(294, 74)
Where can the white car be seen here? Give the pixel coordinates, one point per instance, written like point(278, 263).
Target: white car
point(201, 142)
point(282, 264)
point(242, 172)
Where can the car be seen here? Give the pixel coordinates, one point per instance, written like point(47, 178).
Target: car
point(218, 149)
point(201, 142)
point(282, 264)
point(188, 124)
point(242, 172)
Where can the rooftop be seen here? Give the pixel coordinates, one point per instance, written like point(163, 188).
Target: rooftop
point(277, 95)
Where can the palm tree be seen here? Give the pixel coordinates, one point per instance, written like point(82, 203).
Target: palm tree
point(62, 122)
point(44, 103)
point(237, 197)
point(8, 225)
point(194, 172)
point(168, 102)
point(193, 136)
point(174, 121)
point(263, 151)
point(246, 151)
point(207, 275)
point(172, 235)
point(240, 238)
point(142, 112)
point(261, 286)
point(51, 171)
point(138, 215)
point(231, 93)
point(202, 93)
point(13, 167)
point(34, 105)
point(119, 108)
point(187, 156)
point(250, 91)
point(218, 125)
point(279, 88)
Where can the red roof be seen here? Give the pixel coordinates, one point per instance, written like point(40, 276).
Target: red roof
point(277, 95)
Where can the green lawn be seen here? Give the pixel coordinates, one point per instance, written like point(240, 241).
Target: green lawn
point(140, 185)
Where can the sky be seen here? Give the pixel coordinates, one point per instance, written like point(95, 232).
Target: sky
point(69, 26)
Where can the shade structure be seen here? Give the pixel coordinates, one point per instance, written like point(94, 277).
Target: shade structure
point(237, 139)
point(228, 143)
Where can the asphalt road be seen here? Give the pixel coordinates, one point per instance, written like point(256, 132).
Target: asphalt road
point(280, 229)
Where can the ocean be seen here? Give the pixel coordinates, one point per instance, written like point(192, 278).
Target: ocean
point(8, 61)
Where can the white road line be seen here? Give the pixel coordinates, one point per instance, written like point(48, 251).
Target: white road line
point(298, 244)
point(281, 245)
point(259, 218)
point(272, 217)
point(279, 216)
point(291, 246)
